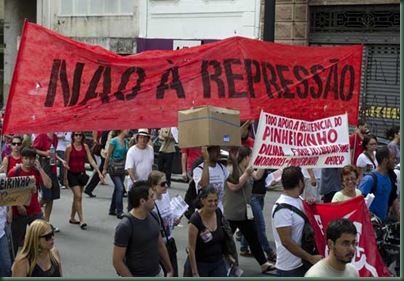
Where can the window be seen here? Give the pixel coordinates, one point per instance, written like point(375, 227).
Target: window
point(95, 7)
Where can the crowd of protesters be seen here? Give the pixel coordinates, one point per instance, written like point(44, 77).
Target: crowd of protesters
point(230, 198)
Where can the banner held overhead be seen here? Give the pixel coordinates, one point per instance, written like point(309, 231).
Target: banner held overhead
point(71, 86)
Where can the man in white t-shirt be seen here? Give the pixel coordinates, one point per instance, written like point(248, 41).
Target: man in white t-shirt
point(139, 159)
point(211, 171)
point(341, 241)
point(287, 227)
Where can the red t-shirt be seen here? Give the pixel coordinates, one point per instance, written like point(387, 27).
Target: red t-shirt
point(77, 160)
point(34, 207)
point(248, 142)
point(43, 142)
point(192, 155)
point(12, 162)
point(357, 145)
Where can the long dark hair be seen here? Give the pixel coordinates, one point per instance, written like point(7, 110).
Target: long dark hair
point(392, 132)
point(366, 140)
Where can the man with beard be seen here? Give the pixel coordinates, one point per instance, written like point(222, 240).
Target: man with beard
point(355, 140)
point(138, 245)
point(287, 227)
point(139, 160)
point(341, 242)
point(386, 185)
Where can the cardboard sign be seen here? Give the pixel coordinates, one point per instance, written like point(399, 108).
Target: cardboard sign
point(208, 125)
point(16, 191)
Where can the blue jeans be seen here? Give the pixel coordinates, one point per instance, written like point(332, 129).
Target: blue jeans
point(5, 259)
point(117, 196)
point(297, 272)
point(257, 206)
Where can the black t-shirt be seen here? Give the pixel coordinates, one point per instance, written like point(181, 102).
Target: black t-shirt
point(212, 250)
point(259, 185)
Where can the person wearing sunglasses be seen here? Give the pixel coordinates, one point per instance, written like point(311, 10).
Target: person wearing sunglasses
point(14, 158)
point(76, 178)
point(38, 257)
point(157, 181)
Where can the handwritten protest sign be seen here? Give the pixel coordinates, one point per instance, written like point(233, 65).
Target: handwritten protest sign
point(70, 86)
point(282, 142)
point(16, 191)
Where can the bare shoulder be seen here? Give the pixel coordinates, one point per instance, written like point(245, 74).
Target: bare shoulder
point(20, 268)
point(56, 254)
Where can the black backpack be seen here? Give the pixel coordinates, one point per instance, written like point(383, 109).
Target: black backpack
point(308, 242)
point(393, 179)
point(190, 197)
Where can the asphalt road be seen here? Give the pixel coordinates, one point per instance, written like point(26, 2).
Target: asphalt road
point(88, 253)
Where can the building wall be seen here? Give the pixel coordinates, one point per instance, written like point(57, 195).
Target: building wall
point(197, 19)
point(116, 33)
point(15, 12)
point(291, 17)
point(351, 2)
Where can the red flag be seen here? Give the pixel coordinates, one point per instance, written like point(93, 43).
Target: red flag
point(367, 258)
point(71, 86)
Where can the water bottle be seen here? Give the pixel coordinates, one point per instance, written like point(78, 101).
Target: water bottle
point(52, 155)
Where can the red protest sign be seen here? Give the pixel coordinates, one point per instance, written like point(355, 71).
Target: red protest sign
point(74, 86)
point(367, 258)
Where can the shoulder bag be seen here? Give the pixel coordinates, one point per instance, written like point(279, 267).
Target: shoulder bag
point(116, 167)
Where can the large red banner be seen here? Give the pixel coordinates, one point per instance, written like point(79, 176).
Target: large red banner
point(367, 258)
point(63, 85)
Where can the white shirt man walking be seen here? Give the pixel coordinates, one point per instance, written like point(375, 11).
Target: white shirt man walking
point(139, 159)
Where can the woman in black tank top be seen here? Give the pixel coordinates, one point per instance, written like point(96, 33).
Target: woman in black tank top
point(38, 257)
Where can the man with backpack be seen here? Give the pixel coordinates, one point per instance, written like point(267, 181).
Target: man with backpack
point(138, 245)
point(211, 171)
point(383, 184)
point(288, 225)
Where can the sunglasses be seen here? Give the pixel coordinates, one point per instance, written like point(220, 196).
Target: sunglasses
point(163, 184)
point(16, 143)
point(78, 135)
point(48, 236)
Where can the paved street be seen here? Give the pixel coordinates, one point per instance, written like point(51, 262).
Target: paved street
point(87, 253)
